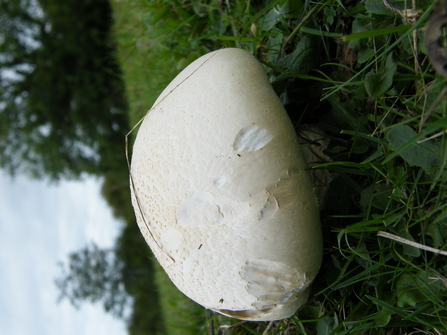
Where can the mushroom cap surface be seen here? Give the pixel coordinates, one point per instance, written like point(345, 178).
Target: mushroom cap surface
point(221, 194)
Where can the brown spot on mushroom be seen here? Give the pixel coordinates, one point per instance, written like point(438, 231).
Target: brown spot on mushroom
point(244, 314)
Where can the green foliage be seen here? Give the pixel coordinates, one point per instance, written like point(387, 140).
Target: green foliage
point(403, 139)
point(189, 317)
point(138, 277)
point(115, 190)
point(357, 70)
point(94, 274)
point(62, 111)
point(160, 40)
point(377, 83)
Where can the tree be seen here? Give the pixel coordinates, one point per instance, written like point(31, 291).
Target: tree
point(62, 110)
point(93, 275)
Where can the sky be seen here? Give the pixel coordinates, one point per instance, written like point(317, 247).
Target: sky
point(40, 224)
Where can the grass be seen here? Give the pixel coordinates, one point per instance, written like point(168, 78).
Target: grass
point(189, 318)
point(359, 71)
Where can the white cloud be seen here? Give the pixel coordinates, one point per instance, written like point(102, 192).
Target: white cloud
point(39, 225)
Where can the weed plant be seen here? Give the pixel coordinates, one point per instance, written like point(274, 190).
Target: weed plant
point(359, 72)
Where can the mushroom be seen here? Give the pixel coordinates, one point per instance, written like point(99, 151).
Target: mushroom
point(221, 192)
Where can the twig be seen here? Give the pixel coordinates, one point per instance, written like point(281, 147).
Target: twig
point(132, 183)
point(211, 328)
point(432, 137)
point(441, 278)
point(227, 328)
point(409, 15)
point(432, 108)
point(270, 326)
point(411, 243)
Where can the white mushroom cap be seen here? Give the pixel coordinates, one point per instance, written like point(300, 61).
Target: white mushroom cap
point(221, 193)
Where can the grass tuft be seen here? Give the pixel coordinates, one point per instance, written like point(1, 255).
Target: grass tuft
point(358, 70)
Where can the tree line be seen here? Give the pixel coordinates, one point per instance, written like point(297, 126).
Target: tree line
point(62, 111)
point(63, 114)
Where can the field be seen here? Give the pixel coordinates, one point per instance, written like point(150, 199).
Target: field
point(359, 73)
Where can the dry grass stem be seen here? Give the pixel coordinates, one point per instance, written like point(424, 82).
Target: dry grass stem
point(411, 243)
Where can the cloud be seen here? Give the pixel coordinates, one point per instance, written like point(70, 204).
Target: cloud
point(39, 225)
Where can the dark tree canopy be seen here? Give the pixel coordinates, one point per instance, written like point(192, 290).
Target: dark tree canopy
point(62, 109)
point(94, 274)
